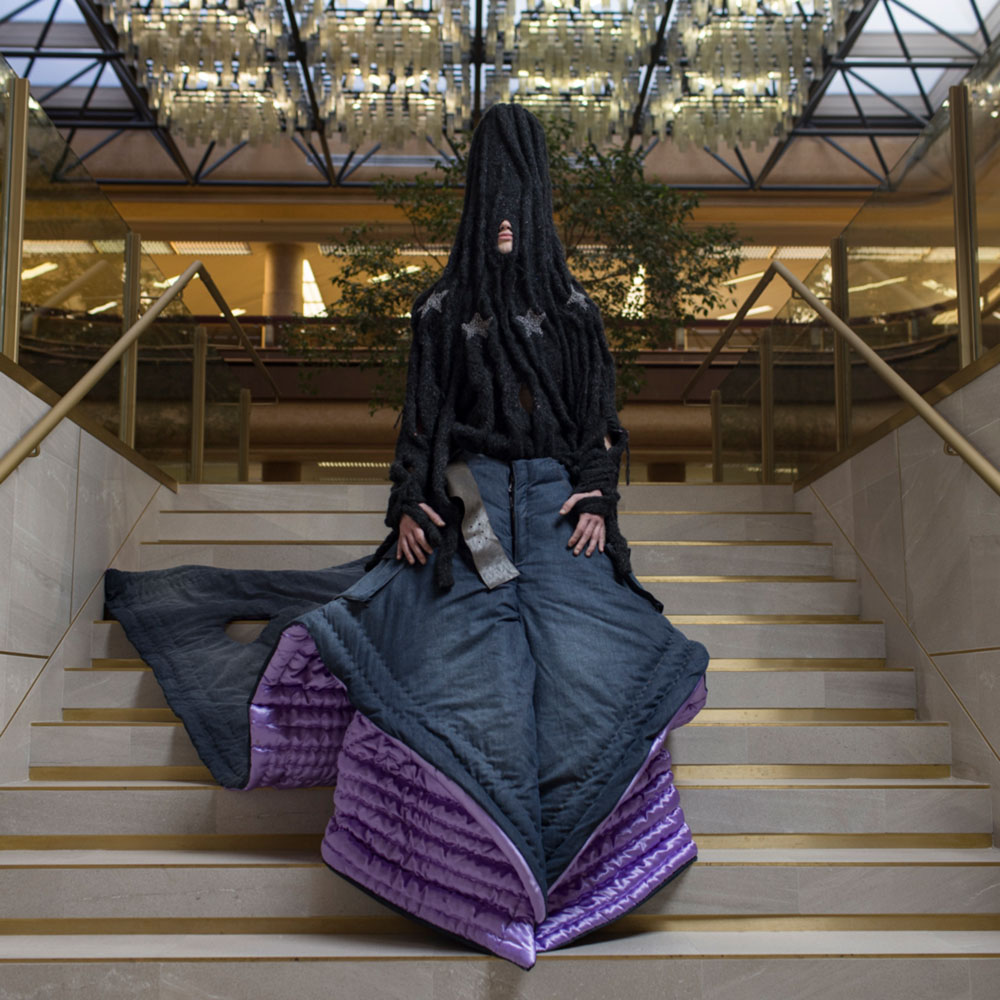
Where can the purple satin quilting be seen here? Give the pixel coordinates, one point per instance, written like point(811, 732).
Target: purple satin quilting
point(641, 844)
point(298, 716)
point(409, 834)
point(399, 829)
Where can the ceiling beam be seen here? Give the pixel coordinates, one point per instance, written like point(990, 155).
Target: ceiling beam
point(107, 38)
point(855, 24)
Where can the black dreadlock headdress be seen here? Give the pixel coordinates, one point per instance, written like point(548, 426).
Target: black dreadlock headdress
point(494, 324)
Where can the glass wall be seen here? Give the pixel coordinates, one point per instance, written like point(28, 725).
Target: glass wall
point(72, 286)
point(900, 267)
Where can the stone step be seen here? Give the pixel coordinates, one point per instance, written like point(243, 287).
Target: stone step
point(69, 886)
point(687, 558)
point(109, 642)
point(804, 813)
point(166, 744)
point(279, 496)
point(374, 496)
point(769, 558)
point(678, 964)
point(707, 595)
point(346, 525)
point(88, 689)
point(806, 640)
point(253, 555)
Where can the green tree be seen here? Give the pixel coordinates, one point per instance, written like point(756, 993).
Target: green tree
point(629, 240)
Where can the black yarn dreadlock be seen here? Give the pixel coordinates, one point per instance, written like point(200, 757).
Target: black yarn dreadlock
point(493, 324)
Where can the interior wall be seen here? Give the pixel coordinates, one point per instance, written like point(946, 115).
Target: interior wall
point(63, 517)
point(921, 531)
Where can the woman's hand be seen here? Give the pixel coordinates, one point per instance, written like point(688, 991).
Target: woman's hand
point(412, 542)
point(589, 528)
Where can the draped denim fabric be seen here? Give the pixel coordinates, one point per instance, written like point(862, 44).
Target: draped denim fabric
point(540, 698)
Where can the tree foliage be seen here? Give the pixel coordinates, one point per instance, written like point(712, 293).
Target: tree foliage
point(629, 240)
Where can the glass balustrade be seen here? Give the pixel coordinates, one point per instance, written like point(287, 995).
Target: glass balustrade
point(899, 266)
point(73, 280)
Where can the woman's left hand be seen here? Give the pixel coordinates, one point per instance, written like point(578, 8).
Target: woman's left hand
point(589, 528)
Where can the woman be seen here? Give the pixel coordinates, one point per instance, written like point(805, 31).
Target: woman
point(492, 695)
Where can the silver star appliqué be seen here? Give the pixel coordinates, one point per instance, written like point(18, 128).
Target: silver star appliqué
point(477, 326)
point(531, 322)
point(577, 299)
point(433, 301)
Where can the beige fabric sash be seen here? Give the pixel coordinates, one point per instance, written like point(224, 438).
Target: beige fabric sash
point(491, 562)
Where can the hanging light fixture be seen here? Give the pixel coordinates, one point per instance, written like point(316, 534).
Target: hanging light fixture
point(227, 70)
point(382, 72)
point(214, 71)
point(572, 57)
point(737, 70)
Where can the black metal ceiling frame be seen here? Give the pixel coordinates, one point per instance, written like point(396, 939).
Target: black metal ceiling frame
point(827, 128)
point(809, 124)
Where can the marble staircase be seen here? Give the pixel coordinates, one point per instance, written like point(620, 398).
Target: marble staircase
point(838, 855)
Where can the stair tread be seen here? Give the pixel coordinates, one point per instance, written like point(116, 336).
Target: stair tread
point(192, 858)
point(945, 782)
point(416, 943)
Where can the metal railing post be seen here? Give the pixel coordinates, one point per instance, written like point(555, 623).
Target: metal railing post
point(766, 408)
point(129, 375)
point(715, 404)
point(243, 469)
point(970, 329)
point(840, 304)
point(12, 200)
point(198, 381)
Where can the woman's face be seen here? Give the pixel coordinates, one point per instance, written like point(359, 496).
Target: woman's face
point(505, 238)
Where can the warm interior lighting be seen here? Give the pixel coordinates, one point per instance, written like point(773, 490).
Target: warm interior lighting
point(409, 269)
point(167, 282)
point(801, 253)
point(102, 308)
point(877, 284)
point(198, 248)
point(38, 270)
point(312, 300)
point(744, 277)
point(353, 465)
point(757, 253)
point(756, 311)
point(888, 253)
point(49, 247)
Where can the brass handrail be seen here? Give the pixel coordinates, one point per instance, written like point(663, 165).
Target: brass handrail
point(765, 279)
point(974, 458)
point(44, 426)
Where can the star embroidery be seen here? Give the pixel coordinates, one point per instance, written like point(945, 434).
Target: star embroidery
point(476, 326)
point(531, 322)
point(577, 298)
point(434, 301)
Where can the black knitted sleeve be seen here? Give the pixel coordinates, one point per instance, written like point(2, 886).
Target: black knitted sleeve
point(410, 468)
point(598, 466)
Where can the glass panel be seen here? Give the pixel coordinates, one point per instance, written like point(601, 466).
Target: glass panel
point(984, 98)
point(901, 291)
point(71, 313)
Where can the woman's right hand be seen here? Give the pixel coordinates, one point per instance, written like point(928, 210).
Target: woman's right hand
point(412, 541)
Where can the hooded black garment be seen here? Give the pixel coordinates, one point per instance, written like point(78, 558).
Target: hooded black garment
point(508, 355)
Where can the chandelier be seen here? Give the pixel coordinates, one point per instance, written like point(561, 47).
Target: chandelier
point(219, 71)
point(574, 58)
point(382, 70)
point(737, 70)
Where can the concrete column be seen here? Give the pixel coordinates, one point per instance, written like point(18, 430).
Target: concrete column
point(282, 283)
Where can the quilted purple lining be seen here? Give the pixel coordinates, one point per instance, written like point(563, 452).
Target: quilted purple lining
point(298, 716)
point(409, 834)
